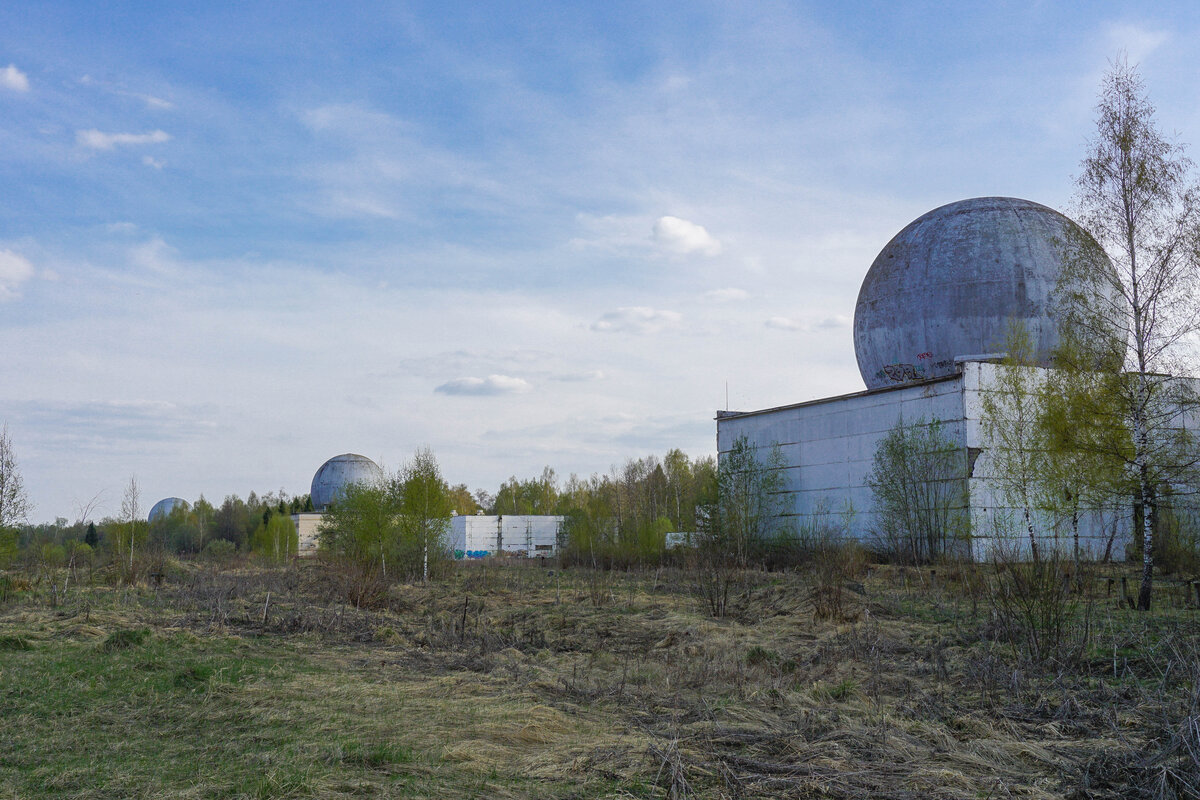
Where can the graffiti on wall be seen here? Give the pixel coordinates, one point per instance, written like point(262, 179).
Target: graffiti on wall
point(899, 373)
point(924, 368)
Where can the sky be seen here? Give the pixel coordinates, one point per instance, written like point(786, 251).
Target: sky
point(237, 239)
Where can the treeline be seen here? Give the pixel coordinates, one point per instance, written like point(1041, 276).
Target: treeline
point(259, 525)
point(619, 518)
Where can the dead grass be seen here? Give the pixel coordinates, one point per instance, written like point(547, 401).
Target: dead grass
point(519, 681)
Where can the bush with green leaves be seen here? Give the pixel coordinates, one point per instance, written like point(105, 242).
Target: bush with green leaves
point(220, 550)
point(920, 487)
point(398, 527)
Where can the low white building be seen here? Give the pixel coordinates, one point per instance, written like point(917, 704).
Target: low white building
point(828, 448)
point(479, 535)
point(306, 523)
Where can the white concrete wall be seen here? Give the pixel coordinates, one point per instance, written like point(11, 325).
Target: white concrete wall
point(829, 445)
point(477, 536)
point(306, 531)
point(998, 526)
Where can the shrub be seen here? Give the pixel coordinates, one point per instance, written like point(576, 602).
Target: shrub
point(919, 482)
point(122, 639)
point(220, 550)
point(1037, 610)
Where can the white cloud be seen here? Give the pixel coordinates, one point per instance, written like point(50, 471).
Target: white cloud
point(155, 255)
point(784, 324)
point(726, 295)
point(579, 377)
point(491, 385)
point(834, 322)
point(150, 100)
point(151, 161)
point(98, 140)
point(14, 270)
point(683, 237)
point(636, 319)
point(12, 78)
point(1137, 41)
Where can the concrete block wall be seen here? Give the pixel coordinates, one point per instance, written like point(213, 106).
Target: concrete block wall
point(479, 535)
point(829, 445)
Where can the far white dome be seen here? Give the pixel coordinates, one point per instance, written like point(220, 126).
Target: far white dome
point(339, 472)
point(164, 507)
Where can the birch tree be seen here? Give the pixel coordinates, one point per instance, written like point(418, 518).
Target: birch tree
point(1136, 198)
point(131, 516)
point(1010, 426)
point(14, 501)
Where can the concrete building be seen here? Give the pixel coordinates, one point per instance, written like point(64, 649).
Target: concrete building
point(306, 523)
point(930, 321)
point(479, 536)
point(829, 445)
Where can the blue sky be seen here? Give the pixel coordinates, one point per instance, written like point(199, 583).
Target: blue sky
point(235, 242)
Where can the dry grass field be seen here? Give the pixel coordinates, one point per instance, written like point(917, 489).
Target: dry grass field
point(513, 680)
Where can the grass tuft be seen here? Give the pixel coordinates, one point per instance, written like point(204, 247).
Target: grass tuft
point(125, 638)
point(376, 756)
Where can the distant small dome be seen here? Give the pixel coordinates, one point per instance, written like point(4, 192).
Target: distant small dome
point(164, 507)
point(339, 472)
point(948, 284)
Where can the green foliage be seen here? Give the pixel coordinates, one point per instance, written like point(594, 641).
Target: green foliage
point(1015, 444)
point(54, 555)
point(748, 512)
point(80, 551)
point(919, 482)
point(741, 521)
point(399, 527)
point(622, 519)
point(176, 532)
point(9, 547)
point(220, 550)
point(18, 643)
point(465, 503)
point(376, 755)
point(276, 538)
point(1137, 198)
point(531, 497)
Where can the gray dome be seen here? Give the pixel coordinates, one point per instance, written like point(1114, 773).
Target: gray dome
point(948, 284)
point(339, 472)
point(164, 507)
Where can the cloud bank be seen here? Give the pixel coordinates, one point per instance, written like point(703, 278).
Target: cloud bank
point(636, 319)
point(13, 79)
point(484, 387)
point(98, 140)
point(684, 238)
point(15, 269)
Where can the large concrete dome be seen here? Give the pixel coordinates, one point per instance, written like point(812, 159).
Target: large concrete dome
point(948, 284)
point(339, 472)
point(164, 507)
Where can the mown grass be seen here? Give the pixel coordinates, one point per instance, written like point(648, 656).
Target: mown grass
point(517, 681)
